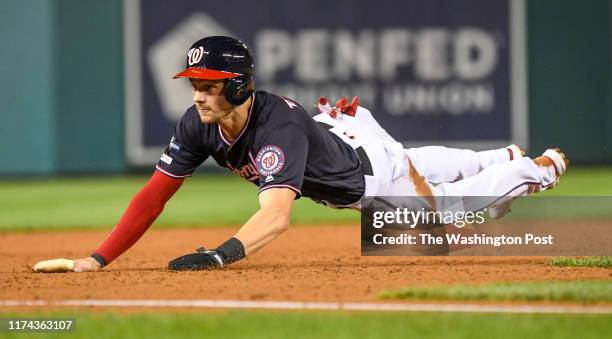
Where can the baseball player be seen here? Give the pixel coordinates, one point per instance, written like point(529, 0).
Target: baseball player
point(336, 158)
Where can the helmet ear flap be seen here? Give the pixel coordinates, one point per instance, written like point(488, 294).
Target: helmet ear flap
point(237, 90)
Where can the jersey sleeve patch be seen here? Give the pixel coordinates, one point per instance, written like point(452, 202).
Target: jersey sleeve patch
point(174, 147)
point(178, 160)
point(270, 160)
point(165, 158)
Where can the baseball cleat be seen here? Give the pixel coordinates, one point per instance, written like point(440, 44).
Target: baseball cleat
point(555, 158)
point(342, 107)
point(515, 152)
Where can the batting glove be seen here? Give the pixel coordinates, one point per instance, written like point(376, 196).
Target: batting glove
point(201, 260)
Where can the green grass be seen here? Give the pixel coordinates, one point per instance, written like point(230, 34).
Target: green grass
point(546, 207)
point(204, 200)
point(584, 181)
point(584, 193)
point(218, 199)
point(338, 325)
point(588, 291)
point(582, 262)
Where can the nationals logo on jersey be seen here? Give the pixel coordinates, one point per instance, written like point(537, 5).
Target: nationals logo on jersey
point(270, 160)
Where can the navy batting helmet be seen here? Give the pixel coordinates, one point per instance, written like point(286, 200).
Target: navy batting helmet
point(222, 57)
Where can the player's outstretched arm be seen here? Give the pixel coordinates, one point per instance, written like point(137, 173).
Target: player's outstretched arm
point(142, 211)
point(270, 221)
point(266, 224)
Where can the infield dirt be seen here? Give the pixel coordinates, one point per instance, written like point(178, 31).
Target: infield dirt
point(318, 263)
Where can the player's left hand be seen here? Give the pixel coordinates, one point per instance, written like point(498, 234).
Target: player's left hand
point(201, 260)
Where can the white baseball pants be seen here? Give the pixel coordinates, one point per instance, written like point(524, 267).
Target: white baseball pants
point(435, 170)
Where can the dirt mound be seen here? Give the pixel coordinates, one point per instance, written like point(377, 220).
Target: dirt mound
point(319, 263)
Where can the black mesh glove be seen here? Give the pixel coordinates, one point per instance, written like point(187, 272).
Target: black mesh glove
point(230, 251)
point(201, 260)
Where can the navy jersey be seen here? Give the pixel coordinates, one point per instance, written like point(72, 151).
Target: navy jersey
point(279, 146)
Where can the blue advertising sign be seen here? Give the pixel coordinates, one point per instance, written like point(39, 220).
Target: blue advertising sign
point(431, 72)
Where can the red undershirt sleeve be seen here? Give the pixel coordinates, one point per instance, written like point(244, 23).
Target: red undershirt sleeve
point(142, 211)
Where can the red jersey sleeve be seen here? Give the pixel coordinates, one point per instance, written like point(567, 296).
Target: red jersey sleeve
point(142, 211)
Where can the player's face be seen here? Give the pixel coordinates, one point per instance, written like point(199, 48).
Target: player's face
point(209, 100)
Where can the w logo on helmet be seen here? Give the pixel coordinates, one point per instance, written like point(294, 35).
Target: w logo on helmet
point(195, 55)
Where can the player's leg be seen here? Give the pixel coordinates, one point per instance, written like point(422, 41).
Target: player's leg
point(440, 164)
point(436, 163)
point(504, 181)
point(493, 186)
point(503, 206)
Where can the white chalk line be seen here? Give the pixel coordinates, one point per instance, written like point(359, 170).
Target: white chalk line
point(323, 306)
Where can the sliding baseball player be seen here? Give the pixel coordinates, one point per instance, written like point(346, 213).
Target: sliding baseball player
point(336, 158)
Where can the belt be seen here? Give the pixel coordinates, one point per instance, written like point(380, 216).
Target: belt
point(366, 165)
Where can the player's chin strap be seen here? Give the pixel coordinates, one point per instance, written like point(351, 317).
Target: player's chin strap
point(342, 107)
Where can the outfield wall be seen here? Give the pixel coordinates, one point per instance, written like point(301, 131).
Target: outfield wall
point(62, 83)
point(570, 77)
point(61, 87)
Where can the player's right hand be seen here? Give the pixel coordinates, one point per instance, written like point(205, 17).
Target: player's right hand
point(87, 264)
